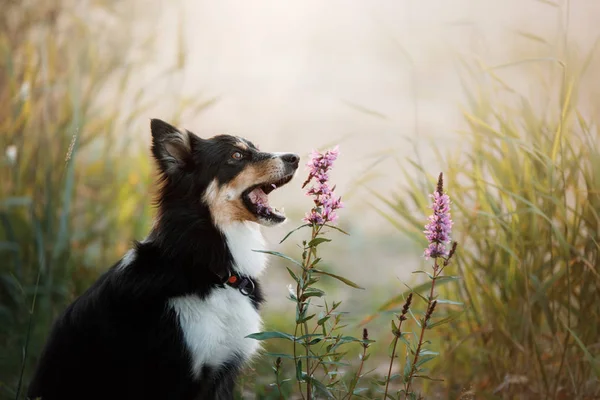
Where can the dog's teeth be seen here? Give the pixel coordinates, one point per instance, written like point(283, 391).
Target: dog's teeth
point(273, 185)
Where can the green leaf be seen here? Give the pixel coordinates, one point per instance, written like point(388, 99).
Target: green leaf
point(394, 328)
point(417, 321)
point(271, 335)
point(299, 371)
point(339, 278)
point(454, 303)
point(293, 275)
point(337, 229)
point(423, 360)
point(417, 293)
point(429, 378)
point(321, 321)
point(292, 231)
point(278, 254)
point(449, 318)
point(315, 341)
point(304, 319)
point(316, 241)
point(311, 281)
point(312, 292)
point(423, 272)
point(309, 336)
point(321, 387)
point(407, 368)
point(349, 339)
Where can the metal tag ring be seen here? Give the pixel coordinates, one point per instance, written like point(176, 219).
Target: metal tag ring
point(247, 292)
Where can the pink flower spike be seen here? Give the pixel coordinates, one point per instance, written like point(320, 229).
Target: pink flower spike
point(439, 228)
point(323, 196)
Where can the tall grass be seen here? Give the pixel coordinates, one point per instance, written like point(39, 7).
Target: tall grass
point(526, 198)
point(70, 202)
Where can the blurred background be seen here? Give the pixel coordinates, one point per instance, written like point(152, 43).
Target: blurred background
point(500, 95)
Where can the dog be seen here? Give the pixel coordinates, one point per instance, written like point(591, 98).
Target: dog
point(170, 319)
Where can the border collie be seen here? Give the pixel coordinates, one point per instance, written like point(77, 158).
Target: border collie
point(169, 320)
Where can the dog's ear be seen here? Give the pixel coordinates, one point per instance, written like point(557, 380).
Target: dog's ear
point(171, 146)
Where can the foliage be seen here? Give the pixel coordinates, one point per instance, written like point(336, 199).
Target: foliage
point(438, 233)
point(319, 351)
point(526, 194)
point(317, 367)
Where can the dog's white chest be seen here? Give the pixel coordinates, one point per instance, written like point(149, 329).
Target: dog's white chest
point(243, 238)
point(215, 328)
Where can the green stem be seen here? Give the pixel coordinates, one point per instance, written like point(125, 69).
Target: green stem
point(301, 308)
point(325, 339)
point(278, 383)
point(387, 383)
point(308, 374)
point(296, 361)
point(413, 369)
point(355, 382)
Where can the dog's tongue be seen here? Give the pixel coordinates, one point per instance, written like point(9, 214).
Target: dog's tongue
point(259, 197)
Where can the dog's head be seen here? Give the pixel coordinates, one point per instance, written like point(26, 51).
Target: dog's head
point(226, 174)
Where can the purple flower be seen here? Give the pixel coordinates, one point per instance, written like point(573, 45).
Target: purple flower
point(439, 228)
point(326, 203)
point(320, 164)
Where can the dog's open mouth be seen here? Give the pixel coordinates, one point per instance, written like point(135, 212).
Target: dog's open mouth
point(256, 199)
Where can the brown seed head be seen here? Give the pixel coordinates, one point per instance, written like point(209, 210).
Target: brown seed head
point(407, 304)
point(440, 184)
point(365, 338)
point(430, 310)
point(451, 253)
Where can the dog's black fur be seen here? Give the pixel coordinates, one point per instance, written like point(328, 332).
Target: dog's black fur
point(120, 340)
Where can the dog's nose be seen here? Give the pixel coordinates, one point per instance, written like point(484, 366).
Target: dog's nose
point(290, 158)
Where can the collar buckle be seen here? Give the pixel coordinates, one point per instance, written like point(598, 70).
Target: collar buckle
point(244, 284)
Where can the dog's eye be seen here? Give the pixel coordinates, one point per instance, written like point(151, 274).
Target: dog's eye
point(237, 155)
